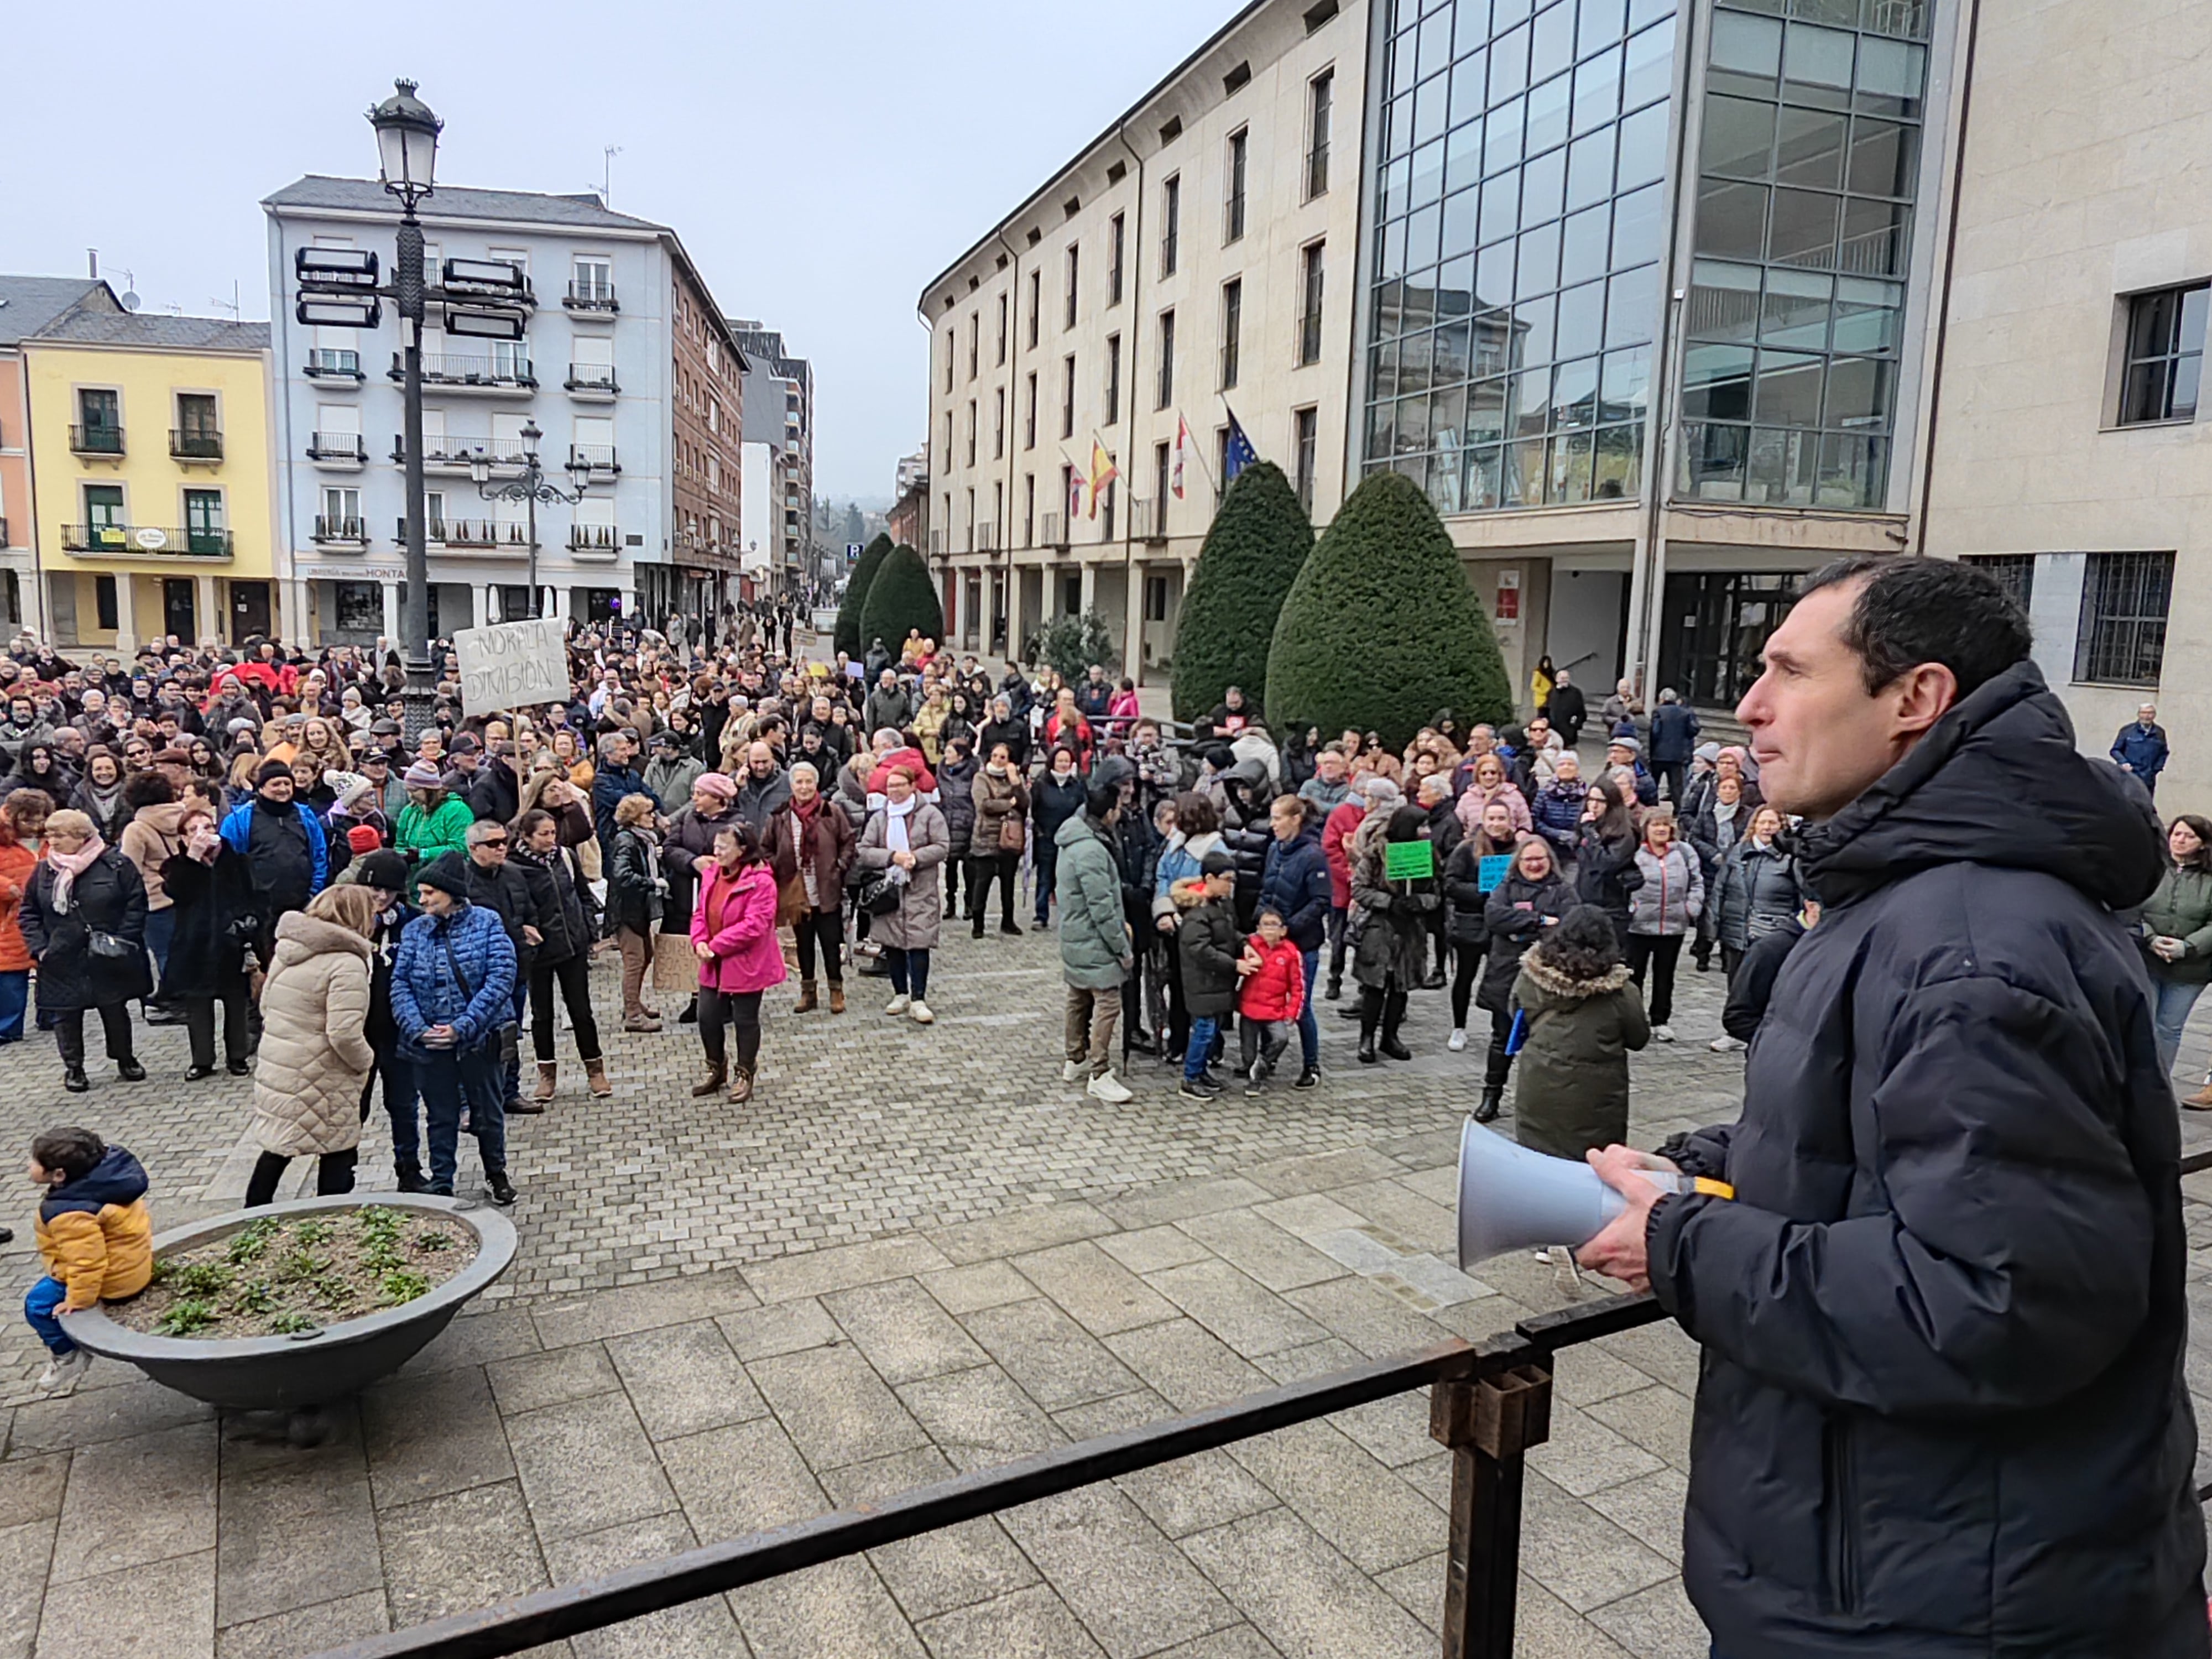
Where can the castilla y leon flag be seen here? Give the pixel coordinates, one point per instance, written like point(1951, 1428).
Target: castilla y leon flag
point(1074, 496)
point(1103, 473)
point(1182, 444)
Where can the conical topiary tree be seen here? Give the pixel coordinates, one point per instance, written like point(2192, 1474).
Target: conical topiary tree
point(1258, 543)
point(1380, 628)
point(846, 636)
point(901, 597)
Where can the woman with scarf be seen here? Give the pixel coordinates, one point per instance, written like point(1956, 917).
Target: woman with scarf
point(1002, 803)
point(908, 839)
point(734, 935)
point(84, 920)
point(1605, 856)
point(811, 838)
point(637, 893)
point(1060, 795)
point(1392, 946)
point(211, 889)
point(99, 797)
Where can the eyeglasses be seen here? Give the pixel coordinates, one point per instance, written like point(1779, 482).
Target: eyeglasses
point(493, 840)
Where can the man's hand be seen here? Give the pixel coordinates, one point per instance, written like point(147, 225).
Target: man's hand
point(1618, 1252)
point(530, 935)
point(439, 1037)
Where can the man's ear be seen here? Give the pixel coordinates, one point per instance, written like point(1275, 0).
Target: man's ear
point(1920, 697)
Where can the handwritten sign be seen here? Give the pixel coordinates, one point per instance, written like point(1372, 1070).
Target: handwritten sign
point(1409, 861)
point(512, 665)
point(1491, 871)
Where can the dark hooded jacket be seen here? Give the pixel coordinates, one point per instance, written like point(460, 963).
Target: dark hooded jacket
point(1941, 1410)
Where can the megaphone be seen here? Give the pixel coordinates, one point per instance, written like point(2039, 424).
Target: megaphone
point(1511, 1198)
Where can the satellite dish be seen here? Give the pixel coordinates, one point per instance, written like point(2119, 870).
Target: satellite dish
point(131, 301)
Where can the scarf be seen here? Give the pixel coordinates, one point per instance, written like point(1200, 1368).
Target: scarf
point(106, 800)
point(68, 867)
point(895, 814)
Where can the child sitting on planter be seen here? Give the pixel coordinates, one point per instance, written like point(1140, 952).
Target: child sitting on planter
point(95, 1235)
point(1269, 1000)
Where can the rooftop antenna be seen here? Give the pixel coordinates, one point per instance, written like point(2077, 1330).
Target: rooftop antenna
point(130, 299)
point(607, 175)
point(231, 304)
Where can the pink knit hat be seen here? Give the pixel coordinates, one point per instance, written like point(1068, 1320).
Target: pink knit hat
point(717, 784)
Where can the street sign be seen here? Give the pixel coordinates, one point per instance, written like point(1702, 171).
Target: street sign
point(852, 552)
point(512, 665)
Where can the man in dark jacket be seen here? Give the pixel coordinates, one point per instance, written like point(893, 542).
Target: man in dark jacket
point(290, 854)
point(1003, 727)
point(765, 787)
point(1567, 710)
point(495, 793)
point(1941, 1410)
point(1295, 886)
point(496, 886)
point(1673, 740)
point(2141, 747)
point(615, 776)
point(887, 705)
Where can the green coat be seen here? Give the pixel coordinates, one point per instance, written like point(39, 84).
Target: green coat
point(1573, 1089)
point(444, 829)
point(2182, 909)
point(1094, 941)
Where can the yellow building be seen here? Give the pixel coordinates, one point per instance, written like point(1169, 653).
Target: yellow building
point(151, 467)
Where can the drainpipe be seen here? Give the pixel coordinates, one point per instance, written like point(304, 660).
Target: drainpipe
point(1950, 265)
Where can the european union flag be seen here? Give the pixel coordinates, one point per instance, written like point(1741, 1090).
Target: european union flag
point(1239, 454)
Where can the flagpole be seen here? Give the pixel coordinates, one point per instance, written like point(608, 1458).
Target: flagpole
point(1183, 425)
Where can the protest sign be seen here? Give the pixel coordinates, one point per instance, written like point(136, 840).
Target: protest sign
point(512, 665)
point(1409, 861)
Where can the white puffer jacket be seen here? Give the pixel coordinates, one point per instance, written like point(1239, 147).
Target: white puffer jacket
point(315, 1044)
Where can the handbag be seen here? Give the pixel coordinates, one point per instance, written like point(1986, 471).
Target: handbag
point(1010, 834)
point(880, 895)
point(112, 948)
point(504, 1039)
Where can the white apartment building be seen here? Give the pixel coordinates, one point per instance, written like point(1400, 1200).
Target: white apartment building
point(1196, 260)
point(779, 428)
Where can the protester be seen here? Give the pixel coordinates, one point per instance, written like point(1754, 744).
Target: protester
point(1210, 953)
point(18, 859)
point(1097, 953)
point(1059, 796)
point(637, 891)
point(215, 912)
point(1298, 885)
point(453, 990)
point(1392, 948)
point(560, 898)
point(315, 1054)
point(1606, 874)
point(673, 771)
point(2141, 748)
point(1674, 729)
point(688, 843)
point(2176, 933)
point(955, 799)
point(1759, 888)
point(84, 920)
point(1663, 911)
point(811, 838)
point(734, 936)
point(1531, 899)
point(907, 840)
point(434, 822)
point(1468, 899)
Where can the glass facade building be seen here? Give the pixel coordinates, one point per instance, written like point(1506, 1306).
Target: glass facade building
point(1519, 223)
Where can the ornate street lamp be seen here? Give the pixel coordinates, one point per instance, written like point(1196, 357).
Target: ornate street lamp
point(531, 488)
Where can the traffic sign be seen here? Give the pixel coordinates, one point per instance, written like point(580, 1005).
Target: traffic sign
point(852, 552)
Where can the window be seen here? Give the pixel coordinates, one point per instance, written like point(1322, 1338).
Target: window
point(971, 521)
point(1309, 292)
point(1156, 598)
point(1170, 222)
point(971, 432)
point(1067, 397)
point(103, 507)
point(2014, 572)
point(1036, 304)
point(100, 423)
point(999, 424)
point(204, 529)
point(948, 440)
point(1116, 248)
point(103, 601)
point(1002, 330)
point(2123, 602)
point(2165, 355)
point(341, 518)
point(1162, 486)
point(1232, 324)
point(1074, 264)
point(1320, 96)
point(949, 349)
point(1113, 379)
point(1167, 361)
point(196, 419)
point(1028, 414)
point(591, 280)
point(1307, 424)
point(974, 336)
point(1232, 211)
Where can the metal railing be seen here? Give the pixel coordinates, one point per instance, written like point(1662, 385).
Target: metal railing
point(195, 444)
point(156, 541)
point(96, 439)
point(486, 532)
point(332, 361)
point(471, 371)
point(590, 296)
point(594, 538)
point(337, 446)
point(433, 530)
point(438, 451)
point(1055, 531)
point(329, 529)
point(590, 377)
point(597, 457)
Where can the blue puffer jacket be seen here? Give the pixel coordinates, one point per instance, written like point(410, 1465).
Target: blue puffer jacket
point(1557, 811)
point(425, 991)
point(1295, 884)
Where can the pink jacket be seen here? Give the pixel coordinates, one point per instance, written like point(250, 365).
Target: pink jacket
point(736, 919)
point(1476, 801)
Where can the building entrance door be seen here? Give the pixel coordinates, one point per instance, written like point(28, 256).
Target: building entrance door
point(249, 611)
point(177, 608)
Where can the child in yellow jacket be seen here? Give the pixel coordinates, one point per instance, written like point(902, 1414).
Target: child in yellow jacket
point(95, 1235)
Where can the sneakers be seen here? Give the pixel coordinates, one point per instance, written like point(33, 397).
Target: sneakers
point(897, 1006)
point(1308, 1079)
point(64, 1371)
point(1197, 1088)
point(918, 1011)
point(502, 1189)
point(1662, 1034)
point(1110, 1089)
point(1727, 1045)
point(1457, 1041)
point(1073, 1071)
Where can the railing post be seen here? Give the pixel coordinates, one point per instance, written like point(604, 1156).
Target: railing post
point(1489, 1423)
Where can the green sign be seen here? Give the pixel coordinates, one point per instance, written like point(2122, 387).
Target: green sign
point(1409, 861)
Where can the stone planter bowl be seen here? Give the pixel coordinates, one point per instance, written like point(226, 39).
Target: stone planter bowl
point(314, 1367)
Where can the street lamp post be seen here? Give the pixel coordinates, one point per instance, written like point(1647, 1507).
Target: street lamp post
point(531, 488)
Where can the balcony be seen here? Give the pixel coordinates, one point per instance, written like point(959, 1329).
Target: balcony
point(440, 455)
point(145, 540)
point(502, 375)
point(195, 444)
point(595, 544)
point(1056, 530)
point(590, 296)
point(434, 532)
point(592, 382)
point(325, 363)
point(342, 451)
point(597, 459)
point(937, 543)
point(487, 535)
point(340, 532)
point(1148, 518)
point(96, 439)
point(987, 539)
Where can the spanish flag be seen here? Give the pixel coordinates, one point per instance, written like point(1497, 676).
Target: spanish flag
point(1103, 473)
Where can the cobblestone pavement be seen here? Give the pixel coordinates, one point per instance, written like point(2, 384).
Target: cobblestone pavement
point(916, 1253)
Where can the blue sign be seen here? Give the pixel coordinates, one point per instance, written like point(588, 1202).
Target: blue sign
point(1491, 870)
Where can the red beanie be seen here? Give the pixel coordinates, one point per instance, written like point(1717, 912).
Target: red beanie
point(363, 838)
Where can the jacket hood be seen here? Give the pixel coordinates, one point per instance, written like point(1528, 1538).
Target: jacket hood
point(300, 935)
point(162, 819)
point(1079, 827)
point(116, 1179)
point(1998, 782)
point(1550, 976)
point(1188, 893)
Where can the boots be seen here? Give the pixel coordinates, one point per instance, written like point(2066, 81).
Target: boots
point(836, 996)
point(547, 1071)
point(595, 1079)
point(1494, 1098)
point(409, 1174)
point(716, 1077)
point(742, 1089)
point(1393, 1014)
point(806, 1004)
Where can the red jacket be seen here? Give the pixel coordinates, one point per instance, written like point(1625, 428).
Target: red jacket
point(1278, 991)
point(1335, 831)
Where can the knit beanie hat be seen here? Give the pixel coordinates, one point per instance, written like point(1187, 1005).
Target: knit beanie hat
point(381, 868)
point(448, 873)
point(422, 775)
point(717, 784)
point(345, 785)
point(270, 770)
point(363, 838)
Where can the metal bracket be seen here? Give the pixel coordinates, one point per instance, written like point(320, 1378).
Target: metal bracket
point(1489, 1423)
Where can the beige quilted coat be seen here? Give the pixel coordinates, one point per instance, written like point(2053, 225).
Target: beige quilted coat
point(315, 1044)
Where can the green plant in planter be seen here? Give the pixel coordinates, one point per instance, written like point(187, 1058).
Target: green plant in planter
point(255, 1298)
point(291, 1324)
point(302, 1265)
point(313, 1232)
point(429, 1238)
point(251, 1242)
point(401, 1285)
point(184, 1318)
point(203, 1278)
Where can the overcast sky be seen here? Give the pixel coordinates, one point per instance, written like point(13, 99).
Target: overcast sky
point(820, 159)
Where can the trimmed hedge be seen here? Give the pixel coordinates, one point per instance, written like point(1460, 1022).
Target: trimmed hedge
point(846, 636)
point(1381, 628)
point(901, 597)
point(1259, 541)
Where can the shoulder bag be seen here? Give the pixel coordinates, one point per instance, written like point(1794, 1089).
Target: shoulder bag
point(504, 1040)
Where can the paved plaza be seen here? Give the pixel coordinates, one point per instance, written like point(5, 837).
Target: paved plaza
point(916, 1253)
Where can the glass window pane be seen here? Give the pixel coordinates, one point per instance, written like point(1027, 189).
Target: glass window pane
point(1581, 319)
point(1501, 207)
point(1447, 414)
point(1724, 301)
point(1867, 315)
point(1413, 353)
point(1547, 114)
point(1789, 389)
point(1412, 425)
point(1844, 13)
point(1600, 26)
point(1463, 154)
point(1713, 461)
point(2188, 374)
point(1421, 229)
point(1854, 471)
point(1574, 393)
point(1451, 356)
point(1811, 149)
point(1648, 68)
point(1590, 169)
point(1397, 177)
point(1584, 244)
point(2189, 336)
point(1459, 224)
point(1883, 156)
point(1382, 371)
point(1493, 274)
point(1501, 136)
point(1468, 96)
point(1781, 468)
point(1641, 12)
point(1429, 105)
point(1617, 466)
point(1400, 127)
point(1643, 146)
point(1873, 237)
point(1637, 227)
point(1533, 320)
point(1537, 271)
point(1571, 469)
point(1552, 47)
point(1509, 65)
point(1525, 467)
point(1627, 384)
point(1795, 313)
point(1716, 383)
point(1731, 220)
point(1738, 138)
point(2151, 320)
point(1747, 53)
point(1428, 178)
point(1390, 251)
point(1382, 429)
point(1860, 389)
point(1543, 188)
point(1597, 91)
point(1632, 308)
point(1816, 65)
point(1804, 231)
point(1486, 410)
point(1435, 41)
point(1891, 75)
